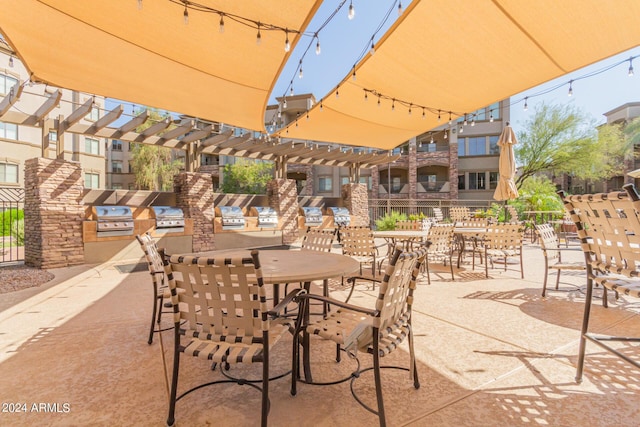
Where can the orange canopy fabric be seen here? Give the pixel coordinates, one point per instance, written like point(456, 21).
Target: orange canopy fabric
point(150, 57)
point(461, 55)
point(440, 55)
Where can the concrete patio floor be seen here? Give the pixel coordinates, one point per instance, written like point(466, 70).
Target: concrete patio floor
point(491, 352)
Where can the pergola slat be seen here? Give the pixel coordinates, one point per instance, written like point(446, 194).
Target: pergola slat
point(47, 106)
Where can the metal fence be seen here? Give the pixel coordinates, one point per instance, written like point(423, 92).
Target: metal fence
point(11, 225)
point(378, 208)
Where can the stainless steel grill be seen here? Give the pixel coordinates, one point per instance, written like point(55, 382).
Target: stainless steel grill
point(267, 216)
point(231, 217)
point(169, 219)
point(114, 221)
point(341, 216)
point(312, 216)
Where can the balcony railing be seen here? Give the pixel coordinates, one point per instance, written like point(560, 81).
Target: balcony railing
point(432, 186)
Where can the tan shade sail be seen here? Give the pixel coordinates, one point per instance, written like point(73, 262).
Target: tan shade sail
point(151, 57)
point(461, 55)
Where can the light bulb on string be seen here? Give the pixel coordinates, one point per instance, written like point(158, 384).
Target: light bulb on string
point(307, 114)
point(258, 36)
point(352, 12)
point(473, 120)
point(300, 74)
point(186, 15)
point(378, 100)
point(570, 93)
point(449, 118)
point(465, 120)
point(410, 108)
point(221, 25)
point(446, 134)
point(526, 106)
point(431, 140)
point(366, 96)
point(461, 129)
point(284, 103)
point(490, 116)
point(438, 115)
point(399, 8)
point(420, 144)
point(287, 44)
point(318, 50)
point(139, 4)
point(353, 75)
point(630, 73)
point(11, 61)
point(373, 47)
point(424, 114)
point(291, 91)
point(337, 92)
point(321, 105)
point(393, 105)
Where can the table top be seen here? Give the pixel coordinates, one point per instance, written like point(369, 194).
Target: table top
point(400, 234)
point(284, 266)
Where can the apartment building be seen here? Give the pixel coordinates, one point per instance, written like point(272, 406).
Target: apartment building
point(19, 142)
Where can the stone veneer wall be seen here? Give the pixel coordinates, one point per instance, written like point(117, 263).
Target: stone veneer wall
point(194, 194)
point(53, 212)
point(356, 199)
point(283, 197)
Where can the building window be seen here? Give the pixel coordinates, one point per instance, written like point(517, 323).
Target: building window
point(116, 166)
point(6, 83)
point(116, 145)
point(324, 183)
point(477, 146)
point(53, 136)
point(344, 180)
point(493, 180)
point(493, 145)
point(461, 147)
point(91, 180)
point(477, 181)
point(366, 180)
point(116, 187)
point(461, 182)
point(9, 131)
point(396, 184)
point(9, 173)
point(91, 146)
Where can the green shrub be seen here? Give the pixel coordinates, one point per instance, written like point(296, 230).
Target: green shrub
point(417, 217)
point(17, 231)
point(388, 222)
point(7, 218)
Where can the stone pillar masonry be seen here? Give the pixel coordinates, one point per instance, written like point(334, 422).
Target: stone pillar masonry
point(194, 194)
point(53, 212)
point(453, 171)
point(356, 199)
point(283, 197)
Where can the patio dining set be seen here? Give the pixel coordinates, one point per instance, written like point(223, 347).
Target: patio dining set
point(227, 309)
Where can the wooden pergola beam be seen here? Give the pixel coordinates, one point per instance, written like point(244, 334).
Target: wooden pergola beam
point(198, 134)
point(106, 120)
point(77, 115)
point(131, 125)
point(11, 98)
point(47, 106)
point(153, 130)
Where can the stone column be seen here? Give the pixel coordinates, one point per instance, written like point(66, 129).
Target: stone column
point(356, 199)
point(453, 171)
point(53, 213)
point(283, 197)
point(194, 194)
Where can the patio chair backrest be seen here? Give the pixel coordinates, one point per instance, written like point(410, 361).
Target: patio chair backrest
point(396, 290)
point(504, 237)
point(441, 238)
point(438, 215)
point(409, 225)
point(358, 241)
point(224, 297)
point(512, 213)
point(473, 223)
point(153, 257)
point(548, 240)
point(459, 213)
point(608, 226)
point(316, 239)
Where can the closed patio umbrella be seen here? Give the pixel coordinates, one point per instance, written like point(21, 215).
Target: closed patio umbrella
point(506, 189)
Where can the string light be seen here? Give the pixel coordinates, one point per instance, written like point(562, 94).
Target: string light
point(431, 141)
point(526, 106)
point(258, 36)
point(318, 50)
point(490, 116)
point(291, 91)
point(11, 61)
point(321, 105)
point(352, 12)
point(353, 75)
point(139, 4)
point(438, 115)
point(461, 129)
point(337, 92)
point(570, 88)
point(287, 44)
point(393, 105)
point(399, 8)
point(378, 100)
point(465, 120)
point(221, 25)
point(473, 120)
point(300, 74)
point(186, 14)
point(284, 103)
point(424, 114)
point(449, 118)
point(410, 105)
point(366, 96)
point(446, 133)
point(373, 47)
point(630, 72)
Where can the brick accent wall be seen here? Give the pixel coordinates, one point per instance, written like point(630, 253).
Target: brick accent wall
point(283, 197)
point(194, 194)
point(356, 199)
point(53, 213)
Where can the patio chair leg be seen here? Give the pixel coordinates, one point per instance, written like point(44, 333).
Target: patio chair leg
point(171, 419)
point(546, 276)
point(428, 274)
point(156, 311)
point(378, 381)
point(585, 327)
point(558, 280)
point(265, 388)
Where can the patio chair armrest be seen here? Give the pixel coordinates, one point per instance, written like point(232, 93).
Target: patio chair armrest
point(369, 311)
point(288, 299)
